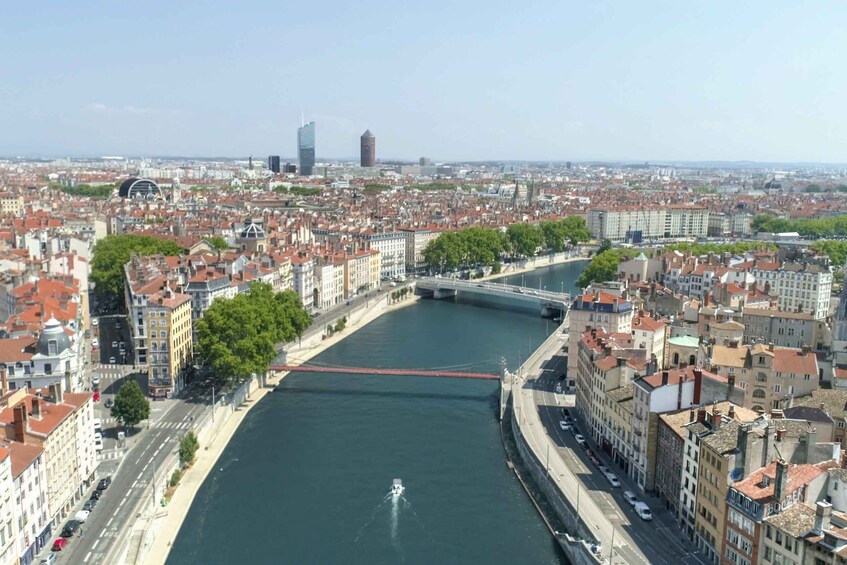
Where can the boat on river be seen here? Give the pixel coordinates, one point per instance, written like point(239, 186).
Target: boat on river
point(397, 488)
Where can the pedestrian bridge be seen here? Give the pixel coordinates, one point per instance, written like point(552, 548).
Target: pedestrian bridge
point(550, 304)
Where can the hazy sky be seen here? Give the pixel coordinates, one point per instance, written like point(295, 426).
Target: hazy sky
point(465, 79)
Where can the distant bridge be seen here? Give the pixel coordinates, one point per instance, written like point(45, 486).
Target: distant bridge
point(549, 303)
point(381, 371)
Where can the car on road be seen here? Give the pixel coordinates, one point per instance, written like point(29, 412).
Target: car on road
point(579, 440)
point(630, 498)
point(104, 483)
point(95, 322)
point(613, 480)
point(59, 545)
point(50, 558)
point(71, 528)
point(96, 395)
point(90, 504)
point(114, 344)
point(564, 425)
point(643, 511)
point(109, 403)
point(95, 381)
point(112, 360)
point(603, 469)
point(81, 516)
point(95, 343)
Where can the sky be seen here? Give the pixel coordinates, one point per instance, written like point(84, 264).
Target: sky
point(461, 80)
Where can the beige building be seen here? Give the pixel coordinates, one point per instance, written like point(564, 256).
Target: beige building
point(616, 425)
point(766, 374)
point(8, 515)
point(170, 353)
point(11, 203)
point(595, 310)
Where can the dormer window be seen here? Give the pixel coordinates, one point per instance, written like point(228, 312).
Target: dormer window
point(52, 347)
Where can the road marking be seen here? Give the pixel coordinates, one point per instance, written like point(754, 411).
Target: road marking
point(109, 523)
point(136, 481)
point(87, 557)
point(95, 544)
point(122, 503)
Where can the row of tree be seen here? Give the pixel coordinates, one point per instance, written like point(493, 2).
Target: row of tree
point(815, 229)
point(113, 252)
point(236, 337)
point(96, 192)
point(835, 250)
point(486, 246)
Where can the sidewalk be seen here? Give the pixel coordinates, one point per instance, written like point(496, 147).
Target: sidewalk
point(207, 456)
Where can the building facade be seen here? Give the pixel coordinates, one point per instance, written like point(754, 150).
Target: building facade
point(306, 148)
point(368, 149)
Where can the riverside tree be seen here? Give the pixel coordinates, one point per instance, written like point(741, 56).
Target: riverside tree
point(525, 239)
point(558, 234)
point(131, 406)
point(188, 446)
point(113, 252)
point(236, 337)
point(468, 247)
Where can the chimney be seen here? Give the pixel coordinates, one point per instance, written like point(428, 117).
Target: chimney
point(36, 407)
point(691, 415)
point(811, 440)
point(780, 433)
point(616, 301)
point(716, 419)
point(664, 378)
point(823, 510)
point(731, 411)
point(56, 393)
point(781, 484)
point(776, 414)
point(701, 415)
point(21, 422)
point(4, 380)
point(698, 383)
point(770, 346)
point(805, 350)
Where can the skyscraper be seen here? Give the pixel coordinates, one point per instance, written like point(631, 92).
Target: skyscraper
point(273, 163)
point(306, 148)
point(368, 146)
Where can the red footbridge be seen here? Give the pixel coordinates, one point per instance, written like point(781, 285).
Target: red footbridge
point(397, 372)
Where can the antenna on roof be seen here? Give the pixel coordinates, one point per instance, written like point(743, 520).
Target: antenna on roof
point(302, 118)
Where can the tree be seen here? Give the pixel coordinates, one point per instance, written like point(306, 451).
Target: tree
point(525, 238)
point(188, 446)
point(605, 246)
point(131, 406)
point(603, 267)
point(218, 242)
point(236, 337)
point(114, 251)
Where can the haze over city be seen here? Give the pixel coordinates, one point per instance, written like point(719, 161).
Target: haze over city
point(466, 81)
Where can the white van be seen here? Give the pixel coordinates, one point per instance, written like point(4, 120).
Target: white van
point(643, 511)
point(98, 426)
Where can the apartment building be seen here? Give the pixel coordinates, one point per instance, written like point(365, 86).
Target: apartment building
point(784, 328)
point(361, 270)
point(416, 241)
point(329, 282)
point(11, 203)
point(683, 220)
point(8, 515)
point(205, 285)
point(31, 494)
point(303, 277)
point(799, 287)
point(650, 335)
point(591, 310)
point(392, 251)
point(635, 224)
point(170, 342)
point(766, 374)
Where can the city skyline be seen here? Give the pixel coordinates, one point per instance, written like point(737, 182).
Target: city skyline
point(583, 83)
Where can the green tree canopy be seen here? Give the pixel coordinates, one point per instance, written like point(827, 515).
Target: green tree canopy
point(96, 192)
point(468, 247)
point(218, 242)
point(560, 233)
point(603, 267)
point(814, 229)
point(835, 250)
point(131, 406)
point(236, 337)
point(525, 238)
point(113, 252)
point(188, 446)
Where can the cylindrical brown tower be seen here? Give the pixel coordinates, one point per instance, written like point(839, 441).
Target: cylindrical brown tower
point(368, 149)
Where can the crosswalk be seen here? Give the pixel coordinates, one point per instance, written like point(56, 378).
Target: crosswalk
point(172, 425)
point(107, 455)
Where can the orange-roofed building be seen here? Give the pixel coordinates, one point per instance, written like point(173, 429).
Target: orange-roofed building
point(169, 359)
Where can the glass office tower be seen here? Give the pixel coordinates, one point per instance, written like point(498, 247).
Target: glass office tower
point(306, 148)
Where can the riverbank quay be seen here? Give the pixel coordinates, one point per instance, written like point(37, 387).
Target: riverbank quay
point(539, 262)
point(215, 432)
point(585, 523)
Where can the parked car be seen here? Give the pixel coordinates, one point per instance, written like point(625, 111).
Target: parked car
point(579, 440)
point(95, 343)
point(90, 504)
point(81, 516)
point(613, 480)
point(59, 545)
point(98, 426)
point(564, 425)
point(629, 496)
point(603, 469)
point(643, 511)
point(96, 395)
point(96, 494)
point(98, 443)
point(50, 558)
point(104, 483)
point(71, 528)
point(95, 322)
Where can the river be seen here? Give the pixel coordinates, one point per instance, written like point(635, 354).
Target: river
point(305, 478)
